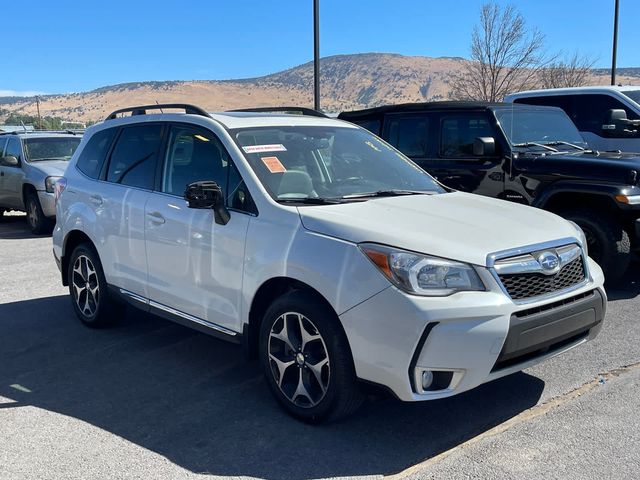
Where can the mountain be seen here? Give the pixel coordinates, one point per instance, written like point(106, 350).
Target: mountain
point(346, 82)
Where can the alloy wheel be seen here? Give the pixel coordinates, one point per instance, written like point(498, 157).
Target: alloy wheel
point(298, 359)
point(86, 290)
point(32, 214)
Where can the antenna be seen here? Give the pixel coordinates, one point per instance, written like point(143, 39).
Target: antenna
point(158, 103)
point(23, 126)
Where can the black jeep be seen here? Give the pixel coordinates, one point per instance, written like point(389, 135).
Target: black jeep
point(521, 153)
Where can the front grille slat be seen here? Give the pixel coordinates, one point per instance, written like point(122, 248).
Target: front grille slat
point(527, 285)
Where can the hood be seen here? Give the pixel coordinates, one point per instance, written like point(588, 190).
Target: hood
point(458, 226)
point(50, 167)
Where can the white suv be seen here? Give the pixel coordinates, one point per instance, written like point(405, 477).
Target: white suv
point(323, 250)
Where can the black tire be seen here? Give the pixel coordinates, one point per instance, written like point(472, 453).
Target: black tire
point(38, 223)
point(342, 395)
point(95, 308)
point(608, 242)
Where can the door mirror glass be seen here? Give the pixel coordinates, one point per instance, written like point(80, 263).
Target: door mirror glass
point(484, 146)
point(207, 194)
point(9, 161)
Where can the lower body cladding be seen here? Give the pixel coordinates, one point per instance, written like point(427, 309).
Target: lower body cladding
point(424, 348)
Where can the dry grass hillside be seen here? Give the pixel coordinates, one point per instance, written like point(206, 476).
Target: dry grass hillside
point(347, 82)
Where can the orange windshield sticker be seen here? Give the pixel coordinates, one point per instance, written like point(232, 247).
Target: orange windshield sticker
point(273, 164)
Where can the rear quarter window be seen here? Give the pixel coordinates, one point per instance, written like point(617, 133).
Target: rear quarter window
point(94, 153)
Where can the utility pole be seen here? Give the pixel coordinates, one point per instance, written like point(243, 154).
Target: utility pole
point(316, 54)
point(615, 42)
point(39, 117)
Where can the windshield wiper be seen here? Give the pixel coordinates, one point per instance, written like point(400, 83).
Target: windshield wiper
point(387, 193)
point(310, 200)
point(562, 142)
point(535, 144)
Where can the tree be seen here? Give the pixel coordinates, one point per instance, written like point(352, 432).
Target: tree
point(573, 72)
point(506, 56)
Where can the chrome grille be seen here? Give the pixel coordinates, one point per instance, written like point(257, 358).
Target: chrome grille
point(526, 285)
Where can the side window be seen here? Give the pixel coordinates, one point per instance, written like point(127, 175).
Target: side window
point(3, 142)
point(561, 101)
point(13, 148)
point(94, 153)
point(458, 133)
point(409, 134)
point(133, 161)
point(589, 112)
point(195, 154)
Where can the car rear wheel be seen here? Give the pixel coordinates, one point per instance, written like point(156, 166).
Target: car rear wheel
point(88, 289)
point(608, 242)
point(306, 359)
point(38, 222)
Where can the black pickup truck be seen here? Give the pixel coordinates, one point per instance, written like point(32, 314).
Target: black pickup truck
point(527, 154)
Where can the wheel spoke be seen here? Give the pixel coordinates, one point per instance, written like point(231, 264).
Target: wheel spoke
point(78, 290)
point(282, 367)
point(317, 372)
point(283, 335)
point(305, 336)
point(301, 390)
point(77, 268)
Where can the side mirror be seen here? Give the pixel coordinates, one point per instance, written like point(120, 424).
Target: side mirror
point(208, 194)
point(615, 118)
point(484, 146)
point(9, 161)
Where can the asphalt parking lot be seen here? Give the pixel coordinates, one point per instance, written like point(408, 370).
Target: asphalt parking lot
point(151, 399)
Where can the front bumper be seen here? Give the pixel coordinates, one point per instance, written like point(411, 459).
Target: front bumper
point(47, 203)
point(471, 337)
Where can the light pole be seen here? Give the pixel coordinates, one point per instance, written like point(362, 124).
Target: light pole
point(615, 43)
point(316, 54)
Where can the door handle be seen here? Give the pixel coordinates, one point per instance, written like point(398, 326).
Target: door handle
point(156, 217)
point(96, 200)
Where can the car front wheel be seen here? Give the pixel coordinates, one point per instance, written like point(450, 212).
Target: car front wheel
point(38, 222)
point(306, 359)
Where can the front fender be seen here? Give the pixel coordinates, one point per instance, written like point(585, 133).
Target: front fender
point(604, 190)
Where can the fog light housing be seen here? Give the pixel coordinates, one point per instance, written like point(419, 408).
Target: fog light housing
point(427, 379)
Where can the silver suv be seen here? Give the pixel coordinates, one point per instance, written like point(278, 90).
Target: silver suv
point(30, 164)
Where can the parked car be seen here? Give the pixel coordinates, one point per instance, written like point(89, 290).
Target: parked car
point(607, 117)
point(525, 154)
point(30, 163)
point(324, 251)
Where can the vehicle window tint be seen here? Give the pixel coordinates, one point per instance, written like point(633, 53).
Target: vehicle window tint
point(238, 196)
point(409, 134)
point(373, 125)
point(133, 161)
point(13, 148)
point(3, 142)
point(94, 153)
point(589, 112)
point(459, 132)
point(561, 101)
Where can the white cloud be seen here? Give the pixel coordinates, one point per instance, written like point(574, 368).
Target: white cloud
point(16, 93)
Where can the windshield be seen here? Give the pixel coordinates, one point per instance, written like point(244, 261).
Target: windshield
point(52, 148)
point(633, 95)
point(308, 162)
point(538, 128)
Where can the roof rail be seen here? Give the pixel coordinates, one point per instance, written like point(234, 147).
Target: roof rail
point(142, 109)
point(74, 131)
point(291, 110)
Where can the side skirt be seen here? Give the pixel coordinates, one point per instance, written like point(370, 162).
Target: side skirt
point(174, 315)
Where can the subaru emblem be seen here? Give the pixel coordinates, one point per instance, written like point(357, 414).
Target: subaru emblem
point(549, 262)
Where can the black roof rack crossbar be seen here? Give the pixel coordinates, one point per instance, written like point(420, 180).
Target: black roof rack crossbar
point(142, 109)
point(72, 131)
point(293, 110)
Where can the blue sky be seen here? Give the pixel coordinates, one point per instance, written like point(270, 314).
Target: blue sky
point(72, 45)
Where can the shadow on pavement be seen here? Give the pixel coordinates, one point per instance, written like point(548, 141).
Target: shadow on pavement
point(193, 399)
point(15, 227)
point(629, 285)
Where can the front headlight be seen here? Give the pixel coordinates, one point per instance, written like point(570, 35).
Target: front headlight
point(50, 184)
point(581, 236)
point(422, 274)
